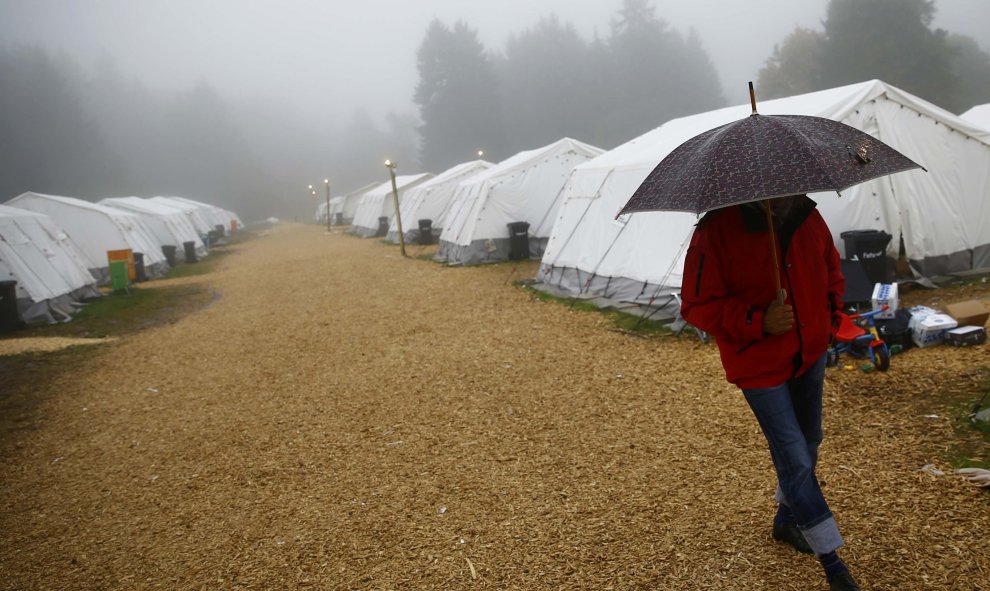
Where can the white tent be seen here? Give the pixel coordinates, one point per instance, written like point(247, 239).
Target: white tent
point(97, 229)
point(979, 116)
point(941, 214)
point(217, 216)
point(48, 267)
point(346, 205)
point(429, 200)
point(378, 203)
point(320, 216)
point(524, 188)
point(170, 226)
point(194, 214)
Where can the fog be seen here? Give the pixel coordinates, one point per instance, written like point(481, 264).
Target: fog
point(297, 72)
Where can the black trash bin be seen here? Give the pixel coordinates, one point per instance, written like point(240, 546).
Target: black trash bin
point(169, 251)
point(338, 219)
point(870, 248)
point(518, 241)
point(10, 318)
point(382, 226)
point(139, 273)
point(426, 232)
point(221, 230)
point(190, 249)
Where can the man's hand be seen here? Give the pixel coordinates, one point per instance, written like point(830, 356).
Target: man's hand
point(778, 319)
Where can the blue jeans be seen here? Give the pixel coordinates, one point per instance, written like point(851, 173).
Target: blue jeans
point(790, 416)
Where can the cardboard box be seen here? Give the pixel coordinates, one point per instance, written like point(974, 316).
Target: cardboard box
point(928, 327)
point(968, 313)
point(885, 294)
point(966, 336)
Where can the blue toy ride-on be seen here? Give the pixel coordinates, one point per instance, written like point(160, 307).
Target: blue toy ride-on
point(857, 336)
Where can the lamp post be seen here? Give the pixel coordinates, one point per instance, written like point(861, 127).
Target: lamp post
point(327, 183)
point(312, 193)
point(395, 200)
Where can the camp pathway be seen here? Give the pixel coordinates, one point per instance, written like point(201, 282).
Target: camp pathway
point(345, 418)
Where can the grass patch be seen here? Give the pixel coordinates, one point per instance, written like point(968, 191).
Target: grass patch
point(961, 399)
point(125, 313)
point(972, 444)
point(622, 321)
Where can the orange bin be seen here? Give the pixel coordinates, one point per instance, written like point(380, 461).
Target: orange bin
point(124, 255)
point(233, 226)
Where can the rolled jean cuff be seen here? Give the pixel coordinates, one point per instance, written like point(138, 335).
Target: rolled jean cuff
point(823, 537)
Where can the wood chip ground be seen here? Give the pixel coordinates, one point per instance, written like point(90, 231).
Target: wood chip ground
point(344, 418)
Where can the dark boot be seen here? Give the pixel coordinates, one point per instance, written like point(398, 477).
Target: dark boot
point(790, 534)
point(843, 582)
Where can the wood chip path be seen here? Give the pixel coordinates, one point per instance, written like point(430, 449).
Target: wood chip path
point(344, 418)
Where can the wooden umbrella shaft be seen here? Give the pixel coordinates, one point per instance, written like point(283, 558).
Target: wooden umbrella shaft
point(781, 294)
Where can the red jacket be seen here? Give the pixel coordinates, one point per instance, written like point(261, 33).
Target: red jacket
point(728, 284)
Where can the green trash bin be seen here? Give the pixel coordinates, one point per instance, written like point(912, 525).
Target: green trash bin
point(119, 279)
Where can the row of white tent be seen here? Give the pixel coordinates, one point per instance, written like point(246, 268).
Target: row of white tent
point(470, 206)
point(569, 194)
point(55, 247)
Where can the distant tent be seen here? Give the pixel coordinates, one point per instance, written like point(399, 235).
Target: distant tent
point(378, 203)
point(322, 208)
point(218, 216)
point(979, 116)
point(48, 267)
point(170, 226)
point(97, 229)
point(941, 214)
point(524, 188)
point(194, 214)
point(347, 204)
point(431, 199)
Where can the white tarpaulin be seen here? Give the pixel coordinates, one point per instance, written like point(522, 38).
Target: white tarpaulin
point(346, 205)
point(218, 216)
point(170, 226)
point(48, 267)
point(194, 214)
point(943, 214)
point(979, 116)
point(429, 200)
point(378, 203)
point(97, 229)
point(526, 188)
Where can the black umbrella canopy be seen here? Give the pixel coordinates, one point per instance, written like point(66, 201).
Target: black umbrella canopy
point(764, 157)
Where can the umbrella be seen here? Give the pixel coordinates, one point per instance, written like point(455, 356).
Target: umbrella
point(764, 157)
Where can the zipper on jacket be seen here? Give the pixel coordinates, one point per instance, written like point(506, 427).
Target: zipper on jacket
point(697, 283)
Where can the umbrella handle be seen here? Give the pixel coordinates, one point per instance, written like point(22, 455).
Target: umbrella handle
point(781, 293)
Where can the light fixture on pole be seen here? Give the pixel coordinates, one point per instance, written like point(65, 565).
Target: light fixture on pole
point(481, 153)
point(327, 183)
point(395, 201)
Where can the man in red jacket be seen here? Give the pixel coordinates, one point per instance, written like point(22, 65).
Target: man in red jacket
point(775, 352)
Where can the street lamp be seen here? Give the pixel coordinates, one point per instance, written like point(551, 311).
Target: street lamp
point(327, 183)
point(395, 200)
point(481, 153)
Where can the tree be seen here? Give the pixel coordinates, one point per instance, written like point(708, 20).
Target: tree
point(971, 65)
point(547, 85)
point(794, 67)
point(890, 40)
point(457, 95)
point(653, 75)
point(51, 142)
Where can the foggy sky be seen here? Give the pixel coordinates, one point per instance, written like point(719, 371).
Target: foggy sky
point(322, 59)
